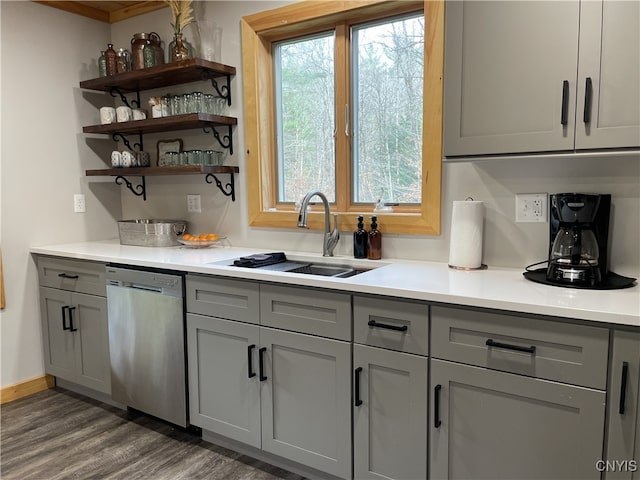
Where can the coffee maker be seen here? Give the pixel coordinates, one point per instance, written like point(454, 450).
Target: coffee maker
point(578, 239)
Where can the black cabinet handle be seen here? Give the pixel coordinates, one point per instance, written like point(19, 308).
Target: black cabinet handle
point(623, 387)
point(261, 363)
point(565, 103)
point(588, 100)
point(71, 327)
point(250, 371)
point(517, 348)
point(64, 317)
point(66, 275)
point(357, 400)
point(436, 406)
point(373, 323)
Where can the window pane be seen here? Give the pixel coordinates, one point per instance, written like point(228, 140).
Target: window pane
point(304, 83)
point(387, 84)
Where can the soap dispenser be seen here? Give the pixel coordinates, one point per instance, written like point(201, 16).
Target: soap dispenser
point(374, 247)
point(360, 239)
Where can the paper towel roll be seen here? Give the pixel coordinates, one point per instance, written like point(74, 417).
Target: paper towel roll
point(467, 219)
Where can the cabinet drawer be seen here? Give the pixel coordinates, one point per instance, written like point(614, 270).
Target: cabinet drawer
point(304, 310)
point(575, 354)
point(394, 324)
point(73, 275)
point(223, 298)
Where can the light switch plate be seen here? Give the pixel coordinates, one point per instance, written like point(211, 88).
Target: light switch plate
point(193, 203)
point(531, 207)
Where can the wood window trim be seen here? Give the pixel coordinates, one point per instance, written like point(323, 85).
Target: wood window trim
point(258, 31)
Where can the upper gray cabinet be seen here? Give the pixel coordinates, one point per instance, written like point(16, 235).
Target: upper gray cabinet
point(516, 76)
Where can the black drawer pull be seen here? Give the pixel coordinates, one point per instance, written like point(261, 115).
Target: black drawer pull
point(250, 371)
point(517, 348)
point(357, 399)
point(373, 323)
point(588, 100)
point(71, 327)
point(262, 377)
point(66, 275)
point(436, 406)
point(64, 317)
point(623, 387)
point(565, 103)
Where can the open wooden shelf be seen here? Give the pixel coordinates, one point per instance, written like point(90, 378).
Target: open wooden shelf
point(187, 71)
point(163, 124)
point(177, 170)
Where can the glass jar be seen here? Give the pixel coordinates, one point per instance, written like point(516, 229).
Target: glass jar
point(102, 65)
point(149, 55)
point(198, 102)
point(187, 100)
point(158, 47)
point(180, 49)
point(124, 60)
point(111, 60)
point(167, 100)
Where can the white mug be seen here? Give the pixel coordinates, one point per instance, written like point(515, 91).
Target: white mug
point(116, 159)
point(129, 159)
point(107, 115)
point(124, 114)
point(139, 114)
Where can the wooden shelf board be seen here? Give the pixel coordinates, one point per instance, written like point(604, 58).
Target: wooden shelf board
point(155, 171)
point(187, 71)
point(163, 124)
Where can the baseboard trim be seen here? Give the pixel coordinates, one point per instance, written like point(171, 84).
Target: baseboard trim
point(26, 388)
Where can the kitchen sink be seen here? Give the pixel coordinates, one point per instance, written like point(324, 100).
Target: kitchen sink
point(311, 268)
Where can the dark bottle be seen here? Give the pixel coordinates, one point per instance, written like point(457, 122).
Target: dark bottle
point(374, 248)
point(360, 240)
point(111, 58)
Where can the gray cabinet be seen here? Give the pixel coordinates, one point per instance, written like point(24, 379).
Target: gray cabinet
point(515, 76)
point(389, 414)
point(74, 324)
point(390, 388)
point(515, 397)
point(490, 424)
point(623, 411)
point(287, 393)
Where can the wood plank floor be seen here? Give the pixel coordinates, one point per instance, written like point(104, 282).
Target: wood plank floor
point(57, 434)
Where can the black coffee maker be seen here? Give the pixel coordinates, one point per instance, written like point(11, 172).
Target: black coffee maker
point(579, 231)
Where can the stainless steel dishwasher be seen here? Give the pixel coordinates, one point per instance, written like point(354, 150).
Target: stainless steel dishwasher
point(147, 342)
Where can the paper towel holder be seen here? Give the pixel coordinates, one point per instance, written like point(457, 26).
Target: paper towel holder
point(482, 265)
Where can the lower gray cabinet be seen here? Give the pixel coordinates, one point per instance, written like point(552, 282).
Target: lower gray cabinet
point(284, 392)
point(389, 414)
point(497, 425)
point(76, 337)
point(622, 459)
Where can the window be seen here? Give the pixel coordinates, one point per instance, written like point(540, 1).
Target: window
point(348, 100)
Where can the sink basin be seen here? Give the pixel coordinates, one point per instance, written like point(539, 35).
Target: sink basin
point(315, 268)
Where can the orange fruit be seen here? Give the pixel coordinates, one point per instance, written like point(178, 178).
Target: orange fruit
point(187, 237)
point(212, 236)
point(202, 236)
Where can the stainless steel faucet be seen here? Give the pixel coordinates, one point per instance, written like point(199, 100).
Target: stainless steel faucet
point(331, 237)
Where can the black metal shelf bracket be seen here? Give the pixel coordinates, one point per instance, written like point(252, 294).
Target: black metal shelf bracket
point(225, 141)
point(139, 190)
point(115, 92)
point(224, 91)
point(136, 146)
point(228, 189)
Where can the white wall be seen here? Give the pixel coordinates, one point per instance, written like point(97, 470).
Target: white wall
point(44, 155)
point(45, 53)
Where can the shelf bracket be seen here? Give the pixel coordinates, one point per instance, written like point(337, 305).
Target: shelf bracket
point(225, 141)
point(136, 146)
point(115, 91)
point(139, 190)
point(224, 91)
point(228, 189)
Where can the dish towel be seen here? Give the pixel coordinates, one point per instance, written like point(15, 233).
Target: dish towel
point(260, 260)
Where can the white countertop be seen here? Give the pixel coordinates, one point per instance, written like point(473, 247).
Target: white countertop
point(497, 288)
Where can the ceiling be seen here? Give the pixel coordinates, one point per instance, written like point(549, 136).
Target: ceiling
point(108, 12)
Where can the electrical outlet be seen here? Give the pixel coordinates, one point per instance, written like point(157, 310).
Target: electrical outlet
point(531, 207)
point(79, 205)
point(193, 203)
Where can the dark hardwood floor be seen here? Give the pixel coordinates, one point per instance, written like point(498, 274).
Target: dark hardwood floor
point(58, 434)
